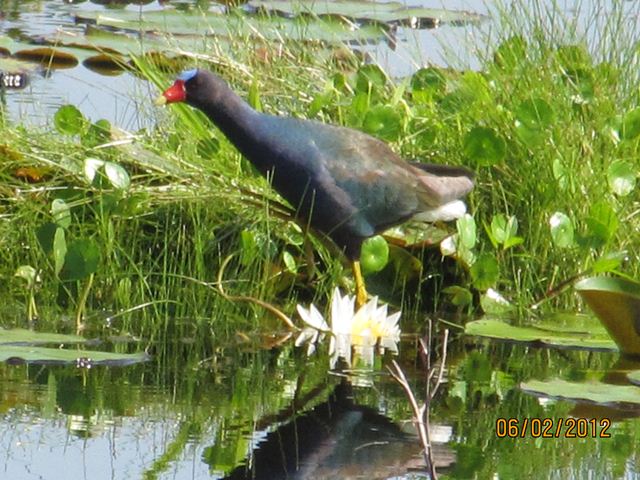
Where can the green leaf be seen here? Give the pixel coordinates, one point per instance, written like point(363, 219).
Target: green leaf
point(82, 259)
point(28, 273)
point(502, 229)
point(20, 336)
point(621, 176)
point(248, 247)
point(374, 255)
point(493, 303)
point(45, 234)
point(511, 53)
point(589, 335)
point(359, 11)
point(61, 213)
point(609, 262)
point(68, 120)
point(484, 146)
point(602, 223)
point(560, 173)
point(383, 122)
point(466, 227)
point(485, 272)
point(562, 231)
point(57, 356)
point(630, 124)
point(535, 114)
point(616, 302)
point(369, 79)
point(96, 170)
point(197, 22)
point(289, 262)
point(426, 84)
point(117, 175)
point(460, 296)
point(254, 96)
point(59, 249)
point(594, 392)
point(97, 134)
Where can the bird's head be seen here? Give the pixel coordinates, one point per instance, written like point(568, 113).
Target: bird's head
point(178, 91)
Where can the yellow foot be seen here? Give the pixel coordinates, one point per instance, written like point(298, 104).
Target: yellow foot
point(361, 291)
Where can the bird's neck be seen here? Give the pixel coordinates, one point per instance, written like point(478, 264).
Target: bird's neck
point(237, 120)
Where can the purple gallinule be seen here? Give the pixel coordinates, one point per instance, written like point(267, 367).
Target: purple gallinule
point(345, 183)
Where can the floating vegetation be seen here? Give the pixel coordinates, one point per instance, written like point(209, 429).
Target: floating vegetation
point(585, 333)
point(616, 302)
point(391, 13)
point(17, 346)
point(117, 34)
point(595, 392)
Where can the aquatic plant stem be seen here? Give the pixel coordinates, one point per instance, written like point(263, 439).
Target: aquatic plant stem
point(422, 413)
point(243, 298)
point(82, 303)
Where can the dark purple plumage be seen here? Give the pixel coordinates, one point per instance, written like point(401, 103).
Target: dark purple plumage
point(347, 184)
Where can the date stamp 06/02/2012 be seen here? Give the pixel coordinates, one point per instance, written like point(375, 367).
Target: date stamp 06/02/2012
point(553, 427)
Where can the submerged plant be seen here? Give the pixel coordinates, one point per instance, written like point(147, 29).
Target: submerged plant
point(360, 331)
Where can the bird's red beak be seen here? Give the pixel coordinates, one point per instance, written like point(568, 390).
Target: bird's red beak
point(175, 93)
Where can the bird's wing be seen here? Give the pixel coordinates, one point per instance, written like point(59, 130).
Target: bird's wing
point(383, 186)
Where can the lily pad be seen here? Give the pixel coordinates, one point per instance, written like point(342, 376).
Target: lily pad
point(616, 302)
point(57, 356)
point(236, 24)
point(21, 336)
point(595, 392)
point(591, 336)
point(393, 13)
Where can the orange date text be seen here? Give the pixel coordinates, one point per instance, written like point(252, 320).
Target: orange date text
point(553, 427)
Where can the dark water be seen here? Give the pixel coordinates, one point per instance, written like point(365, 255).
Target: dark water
point(199, 411)
point(220, 408)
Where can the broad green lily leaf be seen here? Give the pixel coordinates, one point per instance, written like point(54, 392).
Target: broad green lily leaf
point(383, 121)
point(57, 356)
point(592, 336)
point(616, 302)
point(20, 336)
point(485, 271)
point(484, 146)
point(427, 83)
point(561, 230)
point(389, 12)
point(48, 57)
point(621, 176)
point(69, 120)
point(236, 24)
point(597, 392)
point(417, 234)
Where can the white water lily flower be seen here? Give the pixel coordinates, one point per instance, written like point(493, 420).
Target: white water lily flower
point(359, 332)
point(315, 330)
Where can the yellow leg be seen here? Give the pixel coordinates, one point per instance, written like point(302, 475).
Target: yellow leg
point(361, 291)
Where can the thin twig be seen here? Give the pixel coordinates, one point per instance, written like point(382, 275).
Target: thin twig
point(243, 298)
point(434, 377)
